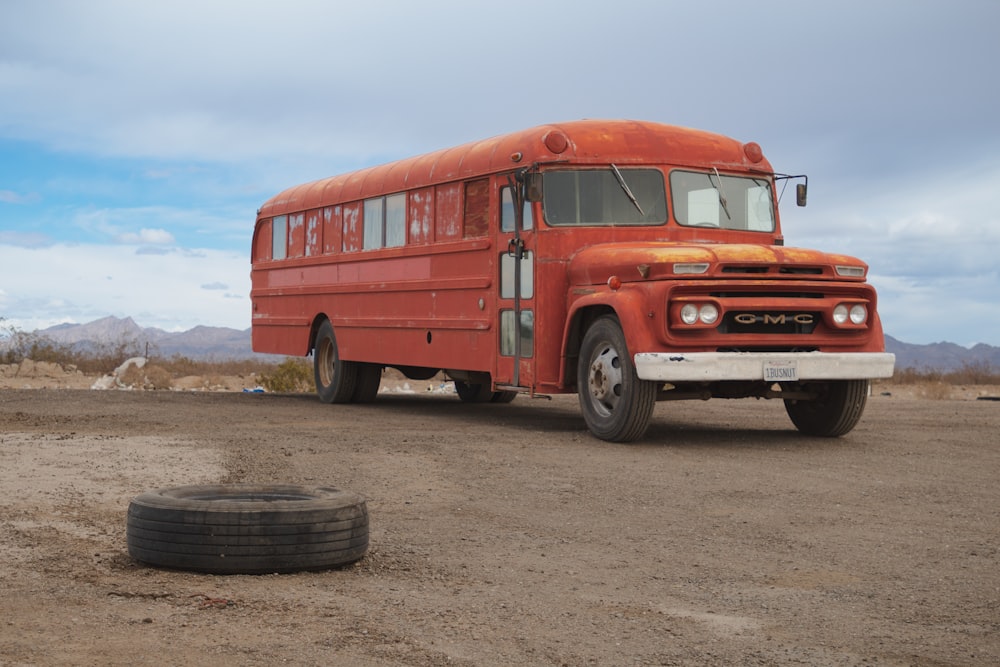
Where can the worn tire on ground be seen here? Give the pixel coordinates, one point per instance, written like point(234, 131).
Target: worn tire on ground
point(247, 529)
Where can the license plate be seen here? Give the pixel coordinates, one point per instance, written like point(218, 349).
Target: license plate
point(781, 371)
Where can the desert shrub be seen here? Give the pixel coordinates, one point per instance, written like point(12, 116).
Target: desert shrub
point(147, 377)
point(290, 376)
point(157, 377)
point(21, 345)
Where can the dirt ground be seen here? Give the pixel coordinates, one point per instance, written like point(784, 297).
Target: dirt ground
point(507, 535)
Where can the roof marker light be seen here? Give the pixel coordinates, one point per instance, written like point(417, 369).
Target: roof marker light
point(753, 152)
point(556, 141)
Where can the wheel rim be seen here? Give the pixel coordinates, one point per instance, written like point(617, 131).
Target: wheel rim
point(326, 358)
point(604, 380)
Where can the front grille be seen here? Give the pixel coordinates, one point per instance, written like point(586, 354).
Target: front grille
point(768, 322)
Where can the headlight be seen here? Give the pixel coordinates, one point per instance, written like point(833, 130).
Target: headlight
point(689, 313)
point(850, 313)
point(704, 313)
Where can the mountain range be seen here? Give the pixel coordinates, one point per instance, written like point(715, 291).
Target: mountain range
point(200, 343)
point(221, 343)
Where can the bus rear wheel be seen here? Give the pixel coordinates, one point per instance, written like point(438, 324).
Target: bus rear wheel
point(836, 410)
point(616, 404)
point(474, 392)
point(369, 379)
point(336, 379)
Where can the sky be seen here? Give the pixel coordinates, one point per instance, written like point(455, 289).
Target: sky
point(137, 140)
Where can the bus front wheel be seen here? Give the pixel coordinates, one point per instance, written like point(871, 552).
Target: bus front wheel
point(616, 404)
point(336, 379)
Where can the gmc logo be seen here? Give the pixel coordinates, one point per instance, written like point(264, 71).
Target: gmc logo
point(778, 318)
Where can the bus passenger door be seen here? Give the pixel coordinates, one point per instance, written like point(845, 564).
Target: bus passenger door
point(514, 366)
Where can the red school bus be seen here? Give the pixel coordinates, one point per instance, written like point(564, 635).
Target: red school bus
point(625, 261)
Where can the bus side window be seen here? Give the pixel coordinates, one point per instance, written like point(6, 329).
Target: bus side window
point(507, 212)
point(373, 216)
point(395, 220)
point(279, 237)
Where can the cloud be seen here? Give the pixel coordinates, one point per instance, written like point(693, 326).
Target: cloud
point(84, 282)
point(25, 239)
point(11, 197)
point(257, 81)
point(147, 236)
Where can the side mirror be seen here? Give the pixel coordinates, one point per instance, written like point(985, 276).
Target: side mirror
point(533, 186)
point(800, 194)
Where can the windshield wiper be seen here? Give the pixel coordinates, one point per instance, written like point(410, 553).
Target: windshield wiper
point(722, 198)
point(625, 189)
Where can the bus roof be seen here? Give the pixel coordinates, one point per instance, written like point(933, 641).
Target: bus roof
point(575, 142)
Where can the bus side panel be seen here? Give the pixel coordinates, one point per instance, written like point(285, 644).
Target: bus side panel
point(426, 311)
point(271, 338)
point(421, 310)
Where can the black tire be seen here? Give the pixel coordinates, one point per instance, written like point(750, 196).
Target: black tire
point(503, 396)
point(616, 404)
point(336, 380)
point(836, 410)
point(247, 529)
point(474, 393)
point(367, 384)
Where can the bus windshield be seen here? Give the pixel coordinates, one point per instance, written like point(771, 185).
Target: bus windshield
point(608, 196)
point(708, 199)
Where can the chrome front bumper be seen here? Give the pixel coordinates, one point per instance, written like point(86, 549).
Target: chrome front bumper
point(709, 366)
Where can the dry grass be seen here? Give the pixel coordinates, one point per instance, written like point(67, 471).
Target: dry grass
point(979, 373)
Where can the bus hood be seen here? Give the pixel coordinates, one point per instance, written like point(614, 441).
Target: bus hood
point(634, 262)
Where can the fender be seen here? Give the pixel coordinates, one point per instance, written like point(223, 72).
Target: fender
point(631, 304)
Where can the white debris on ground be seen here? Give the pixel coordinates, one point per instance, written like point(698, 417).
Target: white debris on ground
point(114, 380)
point(405, 388)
